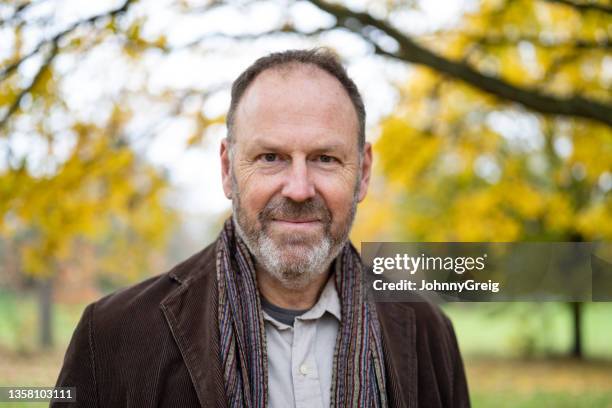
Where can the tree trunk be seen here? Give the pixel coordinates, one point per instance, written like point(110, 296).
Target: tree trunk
point(45, 303)
point(577, 323)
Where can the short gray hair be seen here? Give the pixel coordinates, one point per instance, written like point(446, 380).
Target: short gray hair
point(319, 57)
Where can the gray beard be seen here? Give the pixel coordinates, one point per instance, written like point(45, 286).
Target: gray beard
point(293, 271)
point(293, 267)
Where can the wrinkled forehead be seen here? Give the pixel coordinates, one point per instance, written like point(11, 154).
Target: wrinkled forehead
point(294, 95)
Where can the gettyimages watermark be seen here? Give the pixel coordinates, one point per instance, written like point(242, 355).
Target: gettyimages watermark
point(488, 272)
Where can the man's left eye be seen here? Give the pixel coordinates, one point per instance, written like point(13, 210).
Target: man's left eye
point(326, 159)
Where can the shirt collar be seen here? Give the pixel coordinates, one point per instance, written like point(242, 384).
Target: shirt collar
point(329, 301)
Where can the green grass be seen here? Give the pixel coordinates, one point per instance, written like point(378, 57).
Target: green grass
point(527, 329)
point(19, 322)
point(512, 351)
point(542, 400)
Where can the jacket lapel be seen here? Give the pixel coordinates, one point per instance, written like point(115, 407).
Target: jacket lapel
point(398, 327)
point(191, 313)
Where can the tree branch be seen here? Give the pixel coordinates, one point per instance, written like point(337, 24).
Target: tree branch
point(409, 51)
point(19, 9)
point(5, 72)
point(579, 44)
point(584, 6)
point(54, 42)
point(286, 29)
point(15, 105)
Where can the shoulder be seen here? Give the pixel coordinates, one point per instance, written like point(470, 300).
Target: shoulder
point(123, 341)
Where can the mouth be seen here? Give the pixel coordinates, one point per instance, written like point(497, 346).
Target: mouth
point(297, 223)
point(297, 220)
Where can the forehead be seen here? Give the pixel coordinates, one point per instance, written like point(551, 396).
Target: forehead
point(299, 103)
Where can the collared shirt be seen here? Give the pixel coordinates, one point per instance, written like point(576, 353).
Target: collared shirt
point(300, 358)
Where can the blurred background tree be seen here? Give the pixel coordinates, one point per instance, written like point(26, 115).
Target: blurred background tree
point(465, 166)
point(501, 132)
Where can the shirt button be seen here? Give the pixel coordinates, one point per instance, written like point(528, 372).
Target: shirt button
point(304, 369)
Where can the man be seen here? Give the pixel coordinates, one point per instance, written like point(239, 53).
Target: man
point(273, 313)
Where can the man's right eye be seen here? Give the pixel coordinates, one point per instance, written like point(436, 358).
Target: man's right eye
point(269, 157)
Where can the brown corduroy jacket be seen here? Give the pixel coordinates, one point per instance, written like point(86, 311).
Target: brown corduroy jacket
point(157, 344)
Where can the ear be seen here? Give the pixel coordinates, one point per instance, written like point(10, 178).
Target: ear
point(366, 169)
point(226, 176)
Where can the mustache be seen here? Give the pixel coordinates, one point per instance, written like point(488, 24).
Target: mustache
point(282, 207)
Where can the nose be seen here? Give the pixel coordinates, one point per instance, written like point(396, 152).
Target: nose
point(298, 185)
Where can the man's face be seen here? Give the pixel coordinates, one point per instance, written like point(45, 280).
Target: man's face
point(295, 172)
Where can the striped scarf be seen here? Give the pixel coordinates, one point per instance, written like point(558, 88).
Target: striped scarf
point(358, 375)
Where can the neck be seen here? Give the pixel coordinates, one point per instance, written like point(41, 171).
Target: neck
point(300, 298)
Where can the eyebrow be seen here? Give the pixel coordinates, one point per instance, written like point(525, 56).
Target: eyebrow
point(272, 146)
